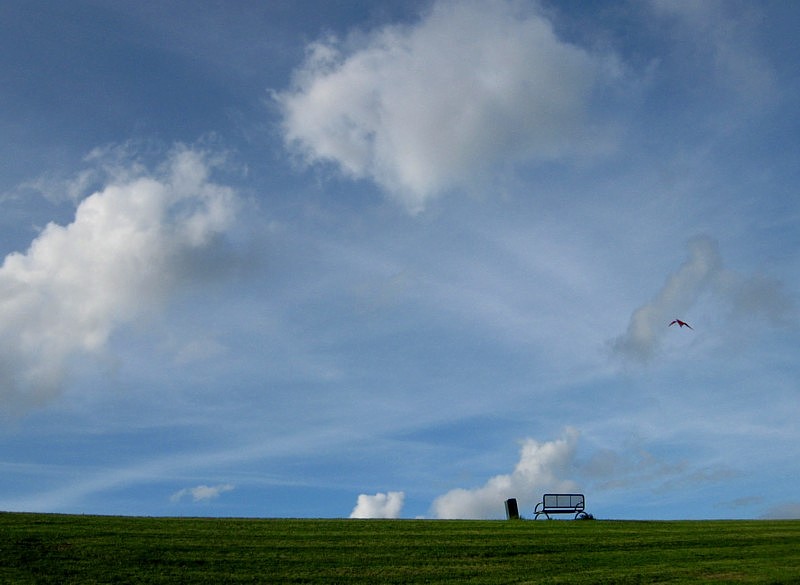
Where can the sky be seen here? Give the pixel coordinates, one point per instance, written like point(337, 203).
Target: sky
point(399, 259)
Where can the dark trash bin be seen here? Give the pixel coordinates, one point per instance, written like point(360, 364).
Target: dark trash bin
point(512, 511)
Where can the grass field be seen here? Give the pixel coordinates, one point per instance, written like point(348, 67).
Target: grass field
point(40, 548)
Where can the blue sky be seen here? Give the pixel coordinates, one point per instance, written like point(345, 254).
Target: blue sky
point(399, 259)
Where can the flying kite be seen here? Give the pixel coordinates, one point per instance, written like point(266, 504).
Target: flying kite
point(681, 324)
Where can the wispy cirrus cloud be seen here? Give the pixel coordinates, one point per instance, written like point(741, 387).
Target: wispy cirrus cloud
point(722, 36)
point(785, 511)
point(754, 297)
point(681, 290)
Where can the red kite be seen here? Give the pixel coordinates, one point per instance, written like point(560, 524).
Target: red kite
point(681, 324)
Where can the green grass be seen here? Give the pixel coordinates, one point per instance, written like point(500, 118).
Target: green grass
point(40, 548)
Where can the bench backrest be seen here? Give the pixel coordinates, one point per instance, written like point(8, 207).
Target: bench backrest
point(563, 502)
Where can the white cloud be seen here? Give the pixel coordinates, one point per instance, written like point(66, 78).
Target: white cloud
point(388, 505)
point(202, 493)
point(130, 246)
point(540, 469)
point(426, 108)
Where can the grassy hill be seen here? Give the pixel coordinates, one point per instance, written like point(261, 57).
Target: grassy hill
point(44, 548)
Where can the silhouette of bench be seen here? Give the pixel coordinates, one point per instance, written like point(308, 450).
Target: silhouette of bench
point(561, 504)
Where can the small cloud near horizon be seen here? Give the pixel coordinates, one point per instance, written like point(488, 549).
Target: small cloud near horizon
point(202, 493)
point(381, 505)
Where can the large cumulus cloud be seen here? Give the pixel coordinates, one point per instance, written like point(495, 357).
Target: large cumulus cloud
point(425, 108)
point(131, 245)
point(542, 467)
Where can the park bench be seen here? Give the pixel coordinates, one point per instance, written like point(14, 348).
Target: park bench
point(561, 504)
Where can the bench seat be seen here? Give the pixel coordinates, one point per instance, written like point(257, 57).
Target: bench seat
point(561, 504)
